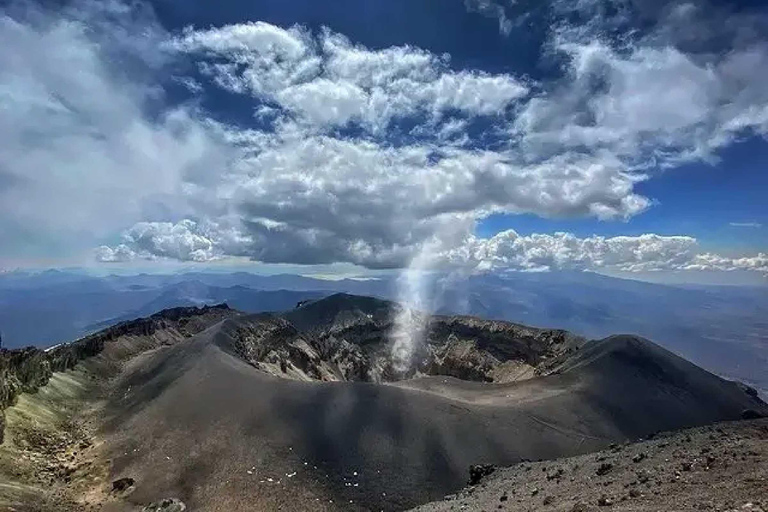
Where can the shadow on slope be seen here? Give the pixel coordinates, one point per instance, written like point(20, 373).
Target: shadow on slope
point(196, 422)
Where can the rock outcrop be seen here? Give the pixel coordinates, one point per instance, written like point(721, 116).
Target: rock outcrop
point(348, 338)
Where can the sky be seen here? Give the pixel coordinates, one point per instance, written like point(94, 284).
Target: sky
point(624, 137)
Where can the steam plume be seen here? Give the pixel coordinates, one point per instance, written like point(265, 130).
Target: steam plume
point(421, 286)
point(410, 321)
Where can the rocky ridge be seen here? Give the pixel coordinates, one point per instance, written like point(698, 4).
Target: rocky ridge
point(28, 369)
point(52, 456)
point(347, 338)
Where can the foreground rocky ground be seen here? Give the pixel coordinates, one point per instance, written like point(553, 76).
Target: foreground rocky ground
point(723, 467)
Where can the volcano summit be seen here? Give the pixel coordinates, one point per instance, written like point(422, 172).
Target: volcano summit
point(302, 409)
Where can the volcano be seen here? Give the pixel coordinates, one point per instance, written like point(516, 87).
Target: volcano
point(302, 409)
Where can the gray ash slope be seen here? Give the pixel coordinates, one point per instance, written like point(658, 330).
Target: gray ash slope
point(28, 369)
point(213, 421)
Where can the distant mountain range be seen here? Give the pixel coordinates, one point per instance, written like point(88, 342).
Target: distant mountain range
point(722, 328)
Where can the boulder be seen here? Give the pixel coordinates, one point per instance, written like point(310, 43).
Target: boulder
point(750, 414)
point(166, 505)
point(122, 484)
point(479, 471)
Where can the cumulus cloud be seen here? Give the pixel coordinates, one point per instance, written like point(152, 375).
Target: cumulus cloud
point(653, 105)
point(757, 263)
point(374, 206)
point(328, 81)
point(117, 254)
point(184, 241)
point(508, 250)
point(505, 251)
point(356, 154)
point(655, 86)
point(81, 153)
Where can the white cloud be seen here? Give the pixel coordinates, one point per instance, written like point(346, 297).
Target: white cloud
point(370, 69)
point(473, 93)
point(118, 254)
point(92, 150)
point(81, 155)
point(323, 102)
point(508, 250)
point(653, 105)
point(374, 205)
point(746, 224)
point(327, 81)
point(455, 249)
point(304, 195)
point(272, 58)
point(184, 241)
point(758, 263)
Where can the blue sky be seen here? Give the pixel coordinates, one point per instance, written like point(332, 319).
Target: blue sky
point(475, 135)
point(442, 27)
point(721, 203)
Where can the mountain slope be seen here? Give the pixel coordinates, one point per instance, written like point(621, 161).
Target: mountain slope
point(721, 467)
point(213, 420)
point(51, 401)
point(26, 370)
point(721, 328)
point(198, 422)
point(195, 293)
